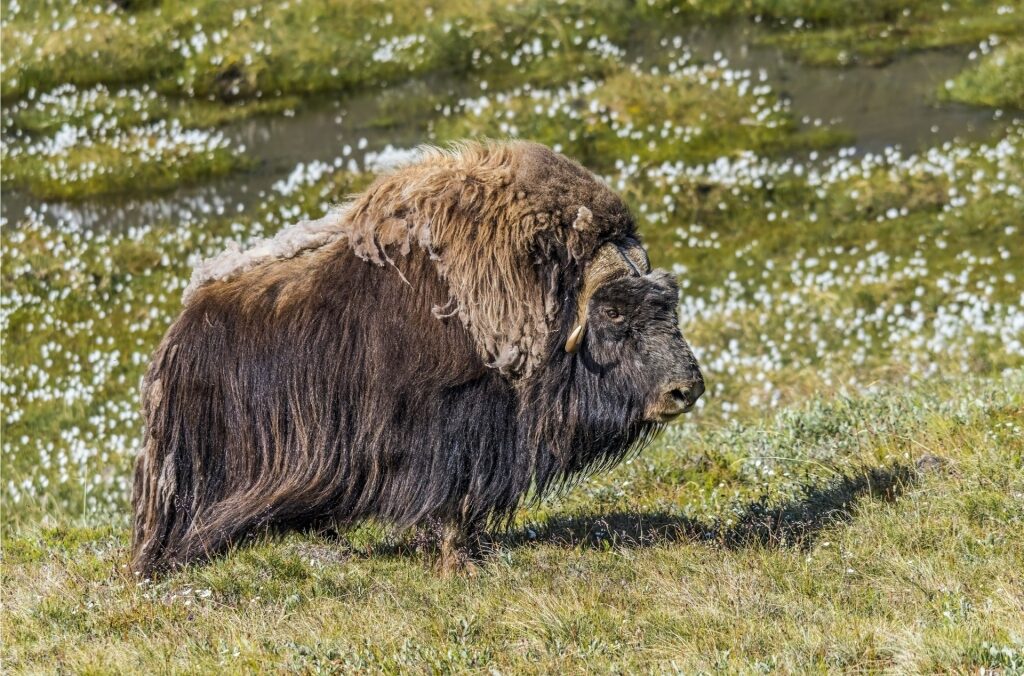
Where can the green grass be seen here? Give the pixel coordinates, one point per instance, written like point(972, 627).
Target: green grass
point(896, 28)
point(72, 144)
point(794, 557)
point(123, 109)
point(139, 160)
point(695, 114)
point(996, 81)
point(789, 289)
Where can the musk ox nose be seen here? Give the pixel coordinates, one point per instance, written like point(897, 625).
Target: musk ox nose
point(679, 397)
point(687, 394)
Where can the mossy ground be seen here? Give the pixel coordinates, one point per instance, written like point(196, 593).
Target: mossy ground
point(124, 164)
point(873, 33)
point(847, 497)
point(70, 144)
point(995, 81)
point(202, 58)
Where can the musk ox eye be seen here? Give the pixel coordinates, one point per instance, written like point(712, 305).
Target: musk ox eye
point(612, 314)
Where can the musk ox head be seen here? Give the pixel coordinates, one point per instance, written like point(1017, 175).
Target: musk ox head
point(627, 330)
point(475, 326)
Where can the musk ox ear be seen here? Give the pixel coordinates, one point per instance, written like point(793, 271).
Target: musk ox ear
point(584, 219)
point(610, 262)
point(581, 238)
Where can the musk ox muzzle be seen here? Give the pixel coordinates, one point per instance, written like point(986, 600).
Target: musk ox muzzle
point(477, 327)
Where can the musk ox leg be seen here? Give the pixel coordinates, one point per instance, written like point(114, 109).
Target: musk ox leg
point(460, 548)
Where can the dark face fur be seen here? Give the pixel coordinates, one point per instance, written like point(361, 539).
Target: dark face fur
point(633, 338)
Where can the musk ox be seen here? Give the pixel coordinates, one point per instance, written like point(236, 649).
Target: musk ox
point(476, 327)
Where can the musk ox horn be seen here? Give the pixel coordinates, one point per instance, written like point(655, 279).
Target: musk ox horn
point(610, 262)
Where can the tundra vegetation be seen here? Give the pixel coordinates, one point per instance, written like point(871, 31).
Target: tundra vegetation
point(847, 496)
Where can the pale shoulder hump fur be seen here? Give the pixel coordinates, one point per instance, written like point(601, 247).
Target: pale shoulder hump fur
point(289, 242)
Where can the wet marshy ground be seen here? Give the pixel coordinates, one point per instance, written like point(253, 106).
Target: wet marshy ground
point(872, 108)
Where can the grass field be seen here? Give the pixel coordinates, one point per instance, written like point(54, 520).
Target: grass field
point(849, 495)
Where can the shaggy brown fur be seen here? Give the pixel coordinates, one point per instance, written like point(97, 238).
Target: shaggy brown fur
point(491, 216)
point(400, 359)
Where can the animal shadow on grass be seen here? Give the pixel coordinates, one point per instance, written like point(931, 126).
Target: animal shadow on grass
point(794, 523)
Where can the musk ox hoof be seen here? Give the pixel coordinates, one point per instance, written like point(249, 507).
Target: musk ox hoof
point(457, 563)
